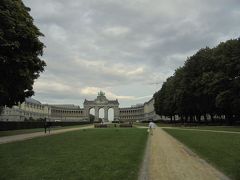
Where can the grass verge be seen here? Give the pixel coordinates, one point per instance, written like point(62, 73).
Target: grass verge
point(217, 128)
point(26, 131)
point(220, 149)
point(84, 154)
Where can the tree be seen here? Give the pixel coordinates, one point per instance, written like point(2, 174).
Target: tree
point(20, 49)
point(208, 83)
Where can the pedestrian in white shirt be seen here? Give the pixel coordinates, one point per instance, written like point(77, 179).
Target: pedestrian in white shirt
point(151, 126)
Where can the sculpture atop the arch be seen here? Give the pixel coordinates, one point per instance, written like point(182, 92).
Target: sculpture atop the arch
point(101, 93)
point(102, 102)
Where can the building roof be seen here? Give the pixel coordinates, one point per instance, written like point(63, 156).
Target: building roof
point(152, 99)
point(65, 106)
point(32, 101)
point(131, 108)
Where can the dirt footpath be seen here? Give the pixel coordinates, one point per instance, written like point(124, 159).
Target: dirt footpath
point(21, 137)
point(171, 160)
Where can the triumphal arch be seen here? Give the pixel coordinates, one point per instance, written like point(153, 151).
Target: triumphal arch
point(102, 102)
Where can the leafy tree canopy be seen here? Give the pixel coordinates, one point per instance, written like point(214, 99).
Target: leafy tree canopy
point(208, 83)
point(20, 49)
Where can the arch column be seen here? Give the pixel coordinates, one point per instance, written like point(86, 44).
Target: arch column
point(116, 113)
point(87, 113)
point(96, 114)
point(106, 114)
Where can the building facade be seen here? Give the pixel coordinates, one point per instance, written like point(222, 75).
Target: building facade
point(29, 109)
point(66, 113)
point(32, 109)
point(149, 111)
point(132, 114)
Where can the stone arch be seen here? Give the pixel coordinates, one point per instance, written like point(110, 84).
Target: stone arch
point(91, 110)
point(101, 113)
point(110, 114)
point(102, 102)
point(92, 114)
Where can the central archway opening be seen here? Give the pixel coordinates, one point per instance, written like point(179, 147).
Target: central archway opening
point(110, 114)
point(101, 115)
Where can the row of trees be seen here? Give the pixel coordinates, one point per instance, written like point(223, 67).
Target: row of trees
point(207, 85)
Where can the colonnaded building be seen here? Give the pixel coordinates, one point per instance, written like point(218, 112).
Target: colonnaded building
point(33, 109)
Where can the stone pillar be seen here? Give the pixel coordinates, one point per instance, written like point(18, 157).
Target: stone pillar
point(116, 114)
point(96, 114)
point(106, 114)
point(87, 113)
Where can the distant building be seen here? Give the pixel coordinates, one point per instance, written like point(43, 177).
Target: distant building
point(149, 111)
point(133, 113)
point(29, 109)
point(66, 113)
point(33, 109)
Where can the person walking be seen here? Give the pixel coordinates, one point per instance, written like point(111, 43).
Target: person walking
point(49, 127)
point(45, 126)
point(151, 126)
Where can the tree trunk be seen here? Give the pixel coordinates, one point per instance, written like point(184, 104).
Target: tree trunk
point(205, 118)
point(181, 119)
point(191, 119)
point(212, 118)
point(230, 119)
point(198, 117)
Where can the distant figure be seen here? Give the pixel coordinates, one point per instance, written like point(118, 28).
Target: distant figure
point(49, 127)
point(151, 126)
point(45, 126)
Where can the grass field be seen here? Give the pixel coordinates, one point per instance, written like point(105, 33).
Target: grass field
point(140, 124)
point(24, 131)
point(220, 149)
point(83, 154)
point(217, 128)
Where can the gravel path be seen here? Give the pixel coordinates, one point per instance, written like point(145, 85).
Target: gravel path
point(169, 159)
point(21, 137)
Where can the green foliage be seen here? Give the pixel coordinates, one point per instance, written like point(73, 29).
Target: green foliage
point(219, 149)
point(208, 83)
point(20, 49)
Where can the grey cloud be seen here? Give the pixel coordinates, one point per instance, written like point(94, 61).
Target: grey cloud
point(122, 37)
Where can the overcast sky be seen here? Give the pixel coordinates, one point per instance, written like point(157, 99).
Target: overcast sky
point(122, 47)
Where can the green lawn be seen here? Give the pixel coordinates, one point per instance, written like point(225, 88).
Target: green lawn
point(217, 128)
point(146, 124)
point(220, 149)
point(24, 131)
point(84, 154)
point(140, 124)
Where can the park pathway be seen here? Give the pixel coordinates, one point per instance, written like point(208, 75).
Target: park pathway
point(21, 137)
point(168, 159)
